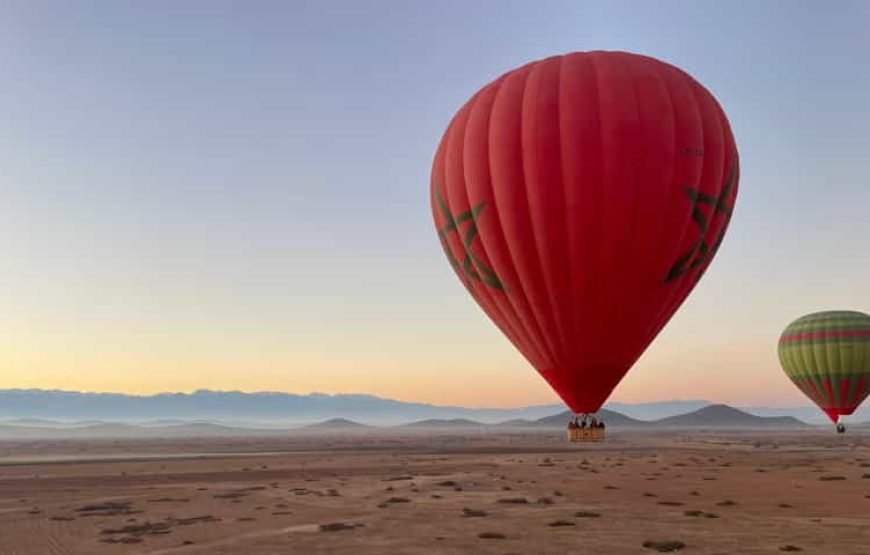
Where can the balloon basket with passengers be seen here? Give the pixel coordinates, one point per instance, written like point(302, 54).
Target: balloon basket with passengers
point(585, 429)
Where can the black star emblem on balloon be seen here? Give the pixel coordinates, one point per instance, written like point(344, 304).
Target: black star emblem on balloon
point(471, 267)
point(700, 251)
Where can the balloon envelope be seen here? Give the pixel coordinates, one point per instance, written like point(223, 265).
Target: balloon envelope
point(579, 199)
point(827, 355)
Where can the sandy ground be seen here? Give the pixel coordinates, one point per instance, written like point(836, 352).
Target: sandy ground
point(728, 493)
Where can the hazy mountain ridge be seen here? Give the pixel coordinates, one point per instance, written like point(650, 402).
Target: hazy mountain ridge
point(52, 408)
point(710, 417)
point(657, 409)
point(723, 416)
point(235, 406)
point(338, 425)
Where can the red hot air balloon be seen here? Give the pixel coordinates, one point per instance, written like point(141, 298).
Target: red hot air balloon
point(579, 199)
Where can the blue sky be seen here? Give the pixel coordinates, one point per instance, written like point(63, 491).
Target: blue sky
point(234, 195)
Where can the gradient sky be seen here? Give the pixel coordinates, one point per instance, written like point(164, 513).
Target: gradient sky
point(233, 195)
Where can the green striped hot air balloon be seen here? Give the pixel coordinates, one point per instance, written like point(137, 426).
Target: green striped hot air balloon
point(827, 355)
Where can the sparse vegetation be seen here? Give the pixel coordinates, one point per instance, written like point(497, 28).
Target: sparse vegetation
point(336, 527)
point(126, 539)
point(146, 528)
point(471, 513)
point(230, 495)
point(110, 508)
point(587, 514)
point(664, 546)
point(696, 513)
point(195, 520)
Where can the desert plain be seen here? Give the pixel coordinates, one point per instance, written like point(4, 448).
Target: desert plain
point(639, 492)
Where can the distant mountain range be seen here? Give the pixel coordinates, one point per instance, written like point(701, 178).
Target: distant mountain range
point(52, 408)
point(235, 407)
point(711, 417)
point(723, 416)
point(438, 423)
point(337, 425)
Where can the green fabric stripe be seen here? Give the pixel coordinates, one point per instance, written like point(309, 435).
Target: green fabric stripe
point(815, 393)
point(833, 326)
point(808, 391)
point(804, 369)
point(853, 390)
point(832, 314)
point(834, 361)
point(852, 317)
point(823, 393)
point(828, 340)
point(801, 358)
point(800, 377)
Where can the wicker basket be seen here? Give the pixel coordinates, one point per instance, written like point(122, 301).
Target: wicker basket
point(585, 434)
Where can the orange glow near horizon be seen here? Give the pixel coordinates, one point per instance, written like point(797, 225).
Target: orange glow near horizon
point(495, 377)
